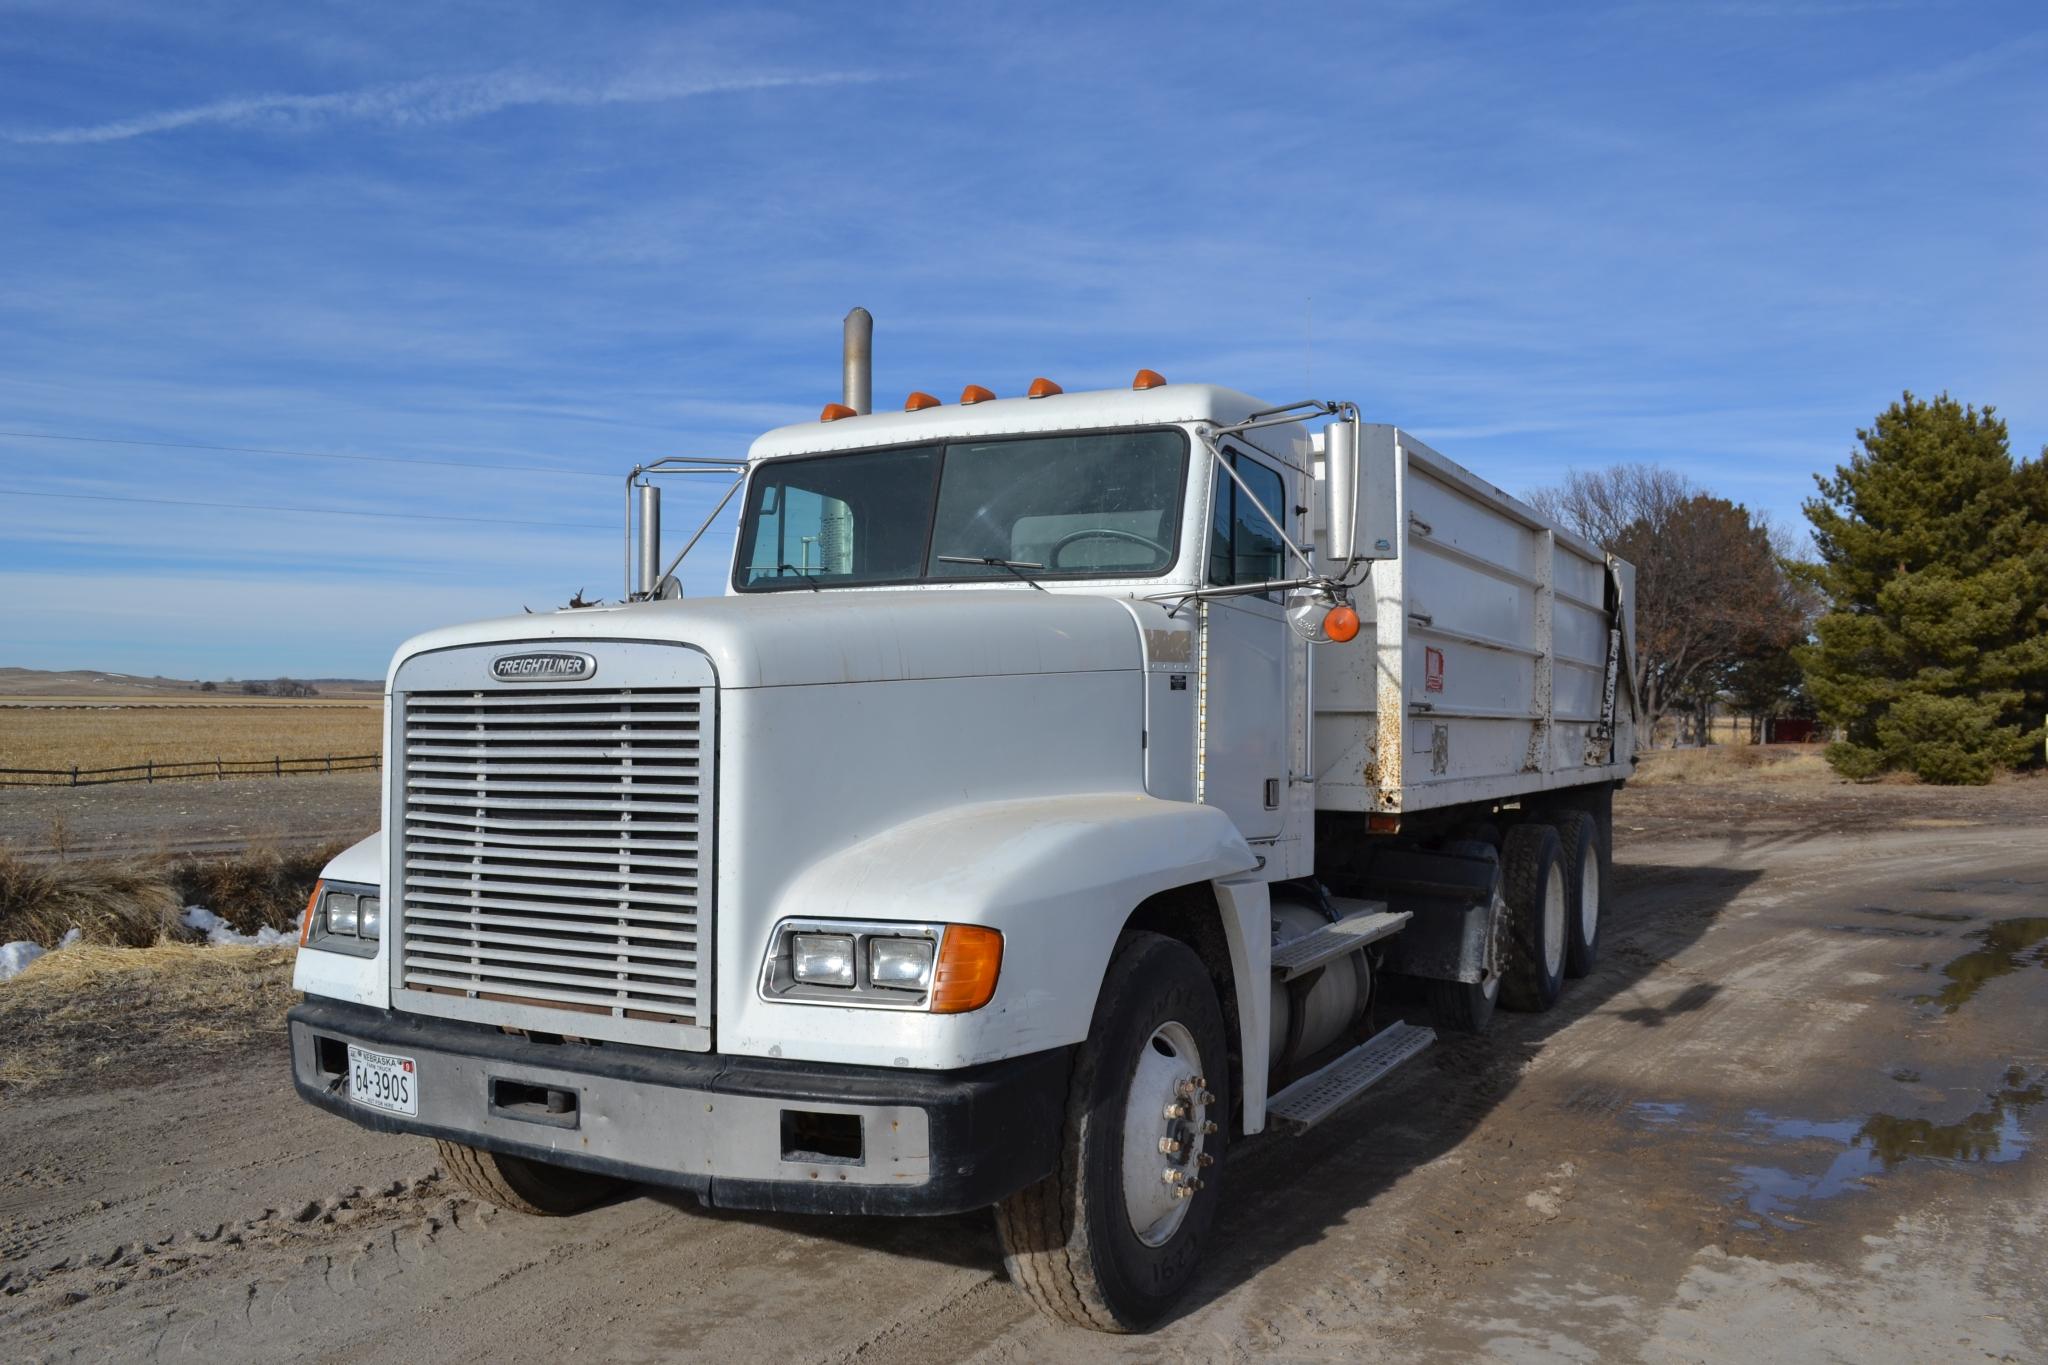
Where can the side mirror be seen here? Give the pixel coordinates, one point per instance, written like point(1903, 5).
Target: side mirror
point(1361, 493)
point(1340, 491)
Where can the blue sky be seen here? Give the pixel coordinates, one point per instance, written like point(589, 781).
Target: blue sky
point(1715, 236)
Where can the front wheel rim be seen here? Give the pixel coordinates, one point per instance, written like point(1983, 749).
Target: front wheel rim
point(1167, 1104)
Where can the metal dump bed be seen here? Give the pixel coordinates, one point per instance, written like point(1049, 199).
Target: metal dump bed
point(1493, 659)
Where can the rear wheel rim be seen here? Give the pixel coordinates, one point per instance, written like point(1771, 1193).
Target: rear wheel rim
point(1168, 1073)
point(1553, 920)
point(1589, 893)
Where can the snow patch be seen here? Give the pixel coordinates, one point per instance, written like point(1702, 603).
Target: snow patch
point(219, 932)
point(14, 956)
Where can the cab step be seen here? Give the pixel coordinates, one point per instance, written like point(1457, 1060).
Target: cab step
point(1319, 1094)
point(1369, 922)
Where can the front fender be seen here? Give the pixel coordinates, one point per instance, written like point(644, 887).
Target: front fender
point(1058, 876)
point(337, 976)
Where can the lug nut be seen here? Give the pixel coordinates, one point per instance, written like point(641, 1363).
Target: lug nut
point(1193, 1187)
point(1208, 1127)
point(1169, 1145)
point(1176, 1111)
point(1173, 1176)
point(1204, 1160)
point(1204, 1097)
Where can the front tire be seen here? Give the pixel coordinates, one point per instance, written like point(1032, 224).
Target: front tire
point(520, 1186)
point(1112, 1238)
point(1535, 879)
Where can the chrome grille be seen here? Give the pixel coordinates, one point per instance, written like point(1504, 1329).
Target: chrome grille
point(556, 858)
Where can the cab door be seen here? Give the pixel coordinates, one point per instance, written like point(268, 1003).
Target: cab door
point(1242, 760)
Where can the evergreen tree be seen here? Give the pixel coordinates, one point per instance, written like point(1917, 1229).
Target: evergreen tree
point(1933, 655)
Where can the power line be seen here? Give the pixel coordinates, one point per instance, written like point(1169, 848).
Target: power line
point(309, 511)
point(308, 454)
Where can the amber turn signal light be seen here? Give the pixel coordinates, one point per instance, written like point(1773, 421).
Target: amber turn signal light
point(1042, 387)
point(834, 411)
point(975, 393)
point(970, 959)
point(306, 920)
point(919, 401)
point(1341, 624)
point(1149, 379)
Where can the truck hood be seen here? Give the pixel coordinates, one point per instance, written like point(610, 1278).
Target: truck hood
point(799, 639)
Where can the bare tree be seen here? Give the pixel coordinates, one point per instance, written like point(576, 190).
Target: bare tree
point(1711, 589)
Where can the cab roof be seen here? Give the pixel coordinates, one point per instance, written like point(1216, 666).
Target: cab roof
point(1086, 411)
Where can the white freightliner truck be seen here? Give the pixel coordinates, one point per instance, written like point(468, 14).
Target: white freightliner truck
point(1065, 787)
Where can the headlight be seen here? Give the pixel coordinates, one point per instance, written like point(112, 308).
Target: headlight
point(900, 964)
point(341, 918)
point(821, 959)
point(340, 913)
point(936, 968)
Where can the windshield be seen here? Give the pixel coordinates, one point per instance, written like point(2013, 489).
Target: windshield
point(1097, 506)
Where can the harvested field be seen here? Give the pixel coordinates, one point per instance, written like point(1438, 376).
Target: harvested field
point(1762, 763)
point(104, 735)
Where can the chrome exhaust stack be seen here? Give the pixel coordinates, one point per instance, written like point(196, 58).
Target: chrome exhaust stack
point(647, 542)
point(859, 361)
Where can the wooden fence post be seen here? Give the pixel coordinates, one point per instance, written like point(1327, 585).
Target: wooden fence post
point(149, 770)
point(218, 775)
point(74, 774)
point(277, 765)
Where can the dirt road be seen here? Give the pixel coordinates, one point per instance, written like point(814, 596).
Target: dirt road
point(1791, 1116)
point(191, 817)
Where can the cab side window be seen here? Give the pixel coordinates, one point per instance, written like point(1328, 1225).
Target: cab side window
point(1242, 545)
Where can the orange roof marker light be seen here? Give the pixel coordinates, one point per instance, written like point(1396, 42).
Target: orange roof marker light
point(975, 393)
point(919, 400)
point(1042, 387)
point(834, 411)
point(1341, 623)
point(1149, 379)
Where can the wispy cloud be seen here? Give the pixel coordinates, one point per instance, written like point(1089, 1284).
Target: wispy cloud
point(432, 100)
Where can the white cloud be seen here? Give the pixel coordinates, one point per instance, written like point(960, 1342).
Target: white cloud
point(433, 100)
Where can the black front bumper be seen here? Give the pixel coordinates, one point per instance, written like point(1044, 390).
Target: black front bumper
point(722, 1127)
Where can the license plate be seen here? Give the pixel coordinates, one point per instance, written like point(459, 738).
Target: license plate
point(384, 1081)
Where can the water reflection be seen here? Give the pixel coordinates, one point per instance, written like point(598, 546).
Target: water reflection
point(2006, 950)
point(1994, 1134)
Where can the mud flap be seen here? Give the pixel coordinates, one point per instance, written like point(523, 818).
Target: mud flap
point(1451, 898)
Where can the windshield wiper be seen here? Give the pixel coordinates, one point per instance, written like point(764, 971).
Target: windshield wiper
point(1015, 566)
point(800, 574)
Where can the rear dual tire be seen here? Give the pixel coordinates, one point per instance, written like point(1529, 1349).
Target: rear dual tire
point(1537, 885)
point(1585, 862)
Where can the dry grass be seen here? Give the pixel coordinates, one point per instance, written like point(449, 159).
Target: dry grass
point(112, 736)
point(1725, 764)
point(97, 1012)
point(116, 904)
point(136, 903)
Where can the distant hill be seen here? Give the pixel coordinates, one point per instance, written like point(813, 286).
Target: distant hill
point(84, 682)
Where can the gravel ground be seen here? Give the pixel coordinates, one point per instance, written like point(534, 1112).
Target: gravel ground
point(191, 817)
point(1792, 1116)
